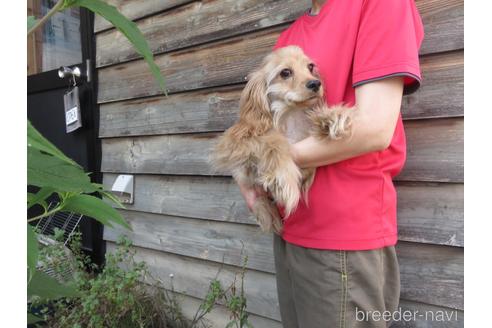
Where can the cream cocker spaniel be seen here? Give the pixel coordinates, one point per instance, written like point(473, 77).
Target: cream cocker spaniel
point(281, 104)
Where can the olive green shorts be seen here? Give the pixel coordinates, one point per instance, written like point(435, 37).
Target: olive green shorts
point(330, 288)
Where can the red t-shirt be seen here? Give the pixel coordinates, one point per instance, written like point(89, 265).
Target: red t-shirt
point(352, 204)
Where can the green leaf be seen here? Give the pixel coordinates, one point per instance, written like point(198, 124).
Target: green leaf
point(40, 196)
point(231, 324)
point(37, 141)
point(110, 196)
point(48, 288)
point(46, 171)
point(30, 197)
point(129, 29)
point(31, 20)
point(31, 318)
point(68, 3)
point(96, 208)
point(32, 250)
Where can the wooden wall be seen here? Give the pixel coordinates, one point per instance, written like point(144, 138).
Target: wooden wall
point(187, 219)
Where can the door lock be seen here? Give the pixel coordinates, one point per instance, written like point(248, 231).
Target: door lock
point(66, 71)
point(75, 72)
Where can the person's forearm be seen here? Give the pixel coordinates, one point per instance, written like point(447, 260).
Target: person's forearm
point(313, 152)
point(373, 124)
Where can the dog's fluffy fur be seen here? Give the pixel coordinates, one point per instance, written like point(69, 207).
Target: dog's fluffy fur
point(278, 108)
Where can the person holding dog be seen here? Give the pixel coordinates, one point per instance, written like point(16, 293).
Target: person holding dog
point(335, 259)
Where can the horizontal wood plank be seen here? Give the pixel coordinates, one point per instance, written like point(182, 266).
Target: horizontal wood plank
point(221, 63)
point(135, 9)
point(441, 95)
point(201, 22)
point(442, 90)
point(198, 238)
point(197, 111)
point(435, 153)
point(215, 198)
point(429, 274)
point(443, 25)
point(432, 274)
point(175, 154)
point(429, 213)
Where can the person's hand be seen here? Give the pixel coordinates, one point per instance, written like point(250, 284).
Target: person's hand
point(250, 194)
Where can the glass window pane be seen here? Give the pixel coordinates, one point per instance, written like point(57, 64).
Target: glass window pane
point(55, 44)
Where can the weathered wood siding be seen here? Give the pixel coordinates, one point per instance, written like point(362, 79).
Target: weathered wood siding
point(190, 221)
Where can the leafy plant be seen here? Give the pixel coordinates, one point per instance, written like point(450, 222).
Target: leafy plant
point(233, 299)
point(115, 297)
point(236, 302)
point(56, 174)
point(118, 295)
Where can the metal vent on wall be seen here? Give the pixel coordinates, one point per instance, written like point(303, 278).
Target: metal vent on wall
point(66, 221)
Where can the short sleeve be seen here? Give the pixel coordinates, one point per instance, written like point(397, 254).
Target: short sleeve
point(280, 41)
point(388, 42)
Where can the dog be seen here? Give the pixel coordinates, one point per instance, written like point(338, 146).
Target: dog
point(281, 104)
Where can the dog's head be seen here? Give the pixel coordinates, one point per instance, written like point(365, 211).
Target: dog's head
point(286, 79)
point(291, 78)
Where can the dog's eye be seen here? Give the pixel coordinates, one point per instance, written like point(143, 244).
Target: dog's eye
point(311, 67)
point(285, 73)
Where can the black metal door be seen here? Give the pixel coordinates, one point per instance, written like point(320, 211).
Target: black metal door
point(45, 107)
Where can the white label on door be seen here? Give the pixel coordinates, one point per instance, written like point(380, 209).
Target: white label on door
point(71, 115)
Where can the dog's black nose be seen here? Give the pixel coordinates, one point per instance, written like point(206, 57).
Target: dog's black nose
point(313, 85)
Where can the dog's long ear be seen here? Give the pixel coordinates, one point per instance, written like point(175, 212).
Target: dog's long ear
point(254, 107)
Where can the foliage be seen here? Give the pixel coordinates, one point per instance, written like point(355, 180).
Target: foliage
point(236, 303)
point(234, 300)
point(112, 298)
point(128, 28)
point(117, 296)
point(125, 26)
point(54, 173)
point(45, 287)
point(32, 250)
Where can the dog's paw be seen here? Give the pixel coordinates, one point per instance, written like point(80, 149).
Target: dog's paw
point(286, 190)
point(334, 123)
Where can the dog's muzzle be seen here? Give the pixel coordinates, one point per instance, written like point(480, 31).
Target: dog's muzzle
point(313, 85)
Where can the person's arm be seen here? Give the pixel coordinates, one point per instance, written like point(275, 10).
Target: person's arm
point(378, 106)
